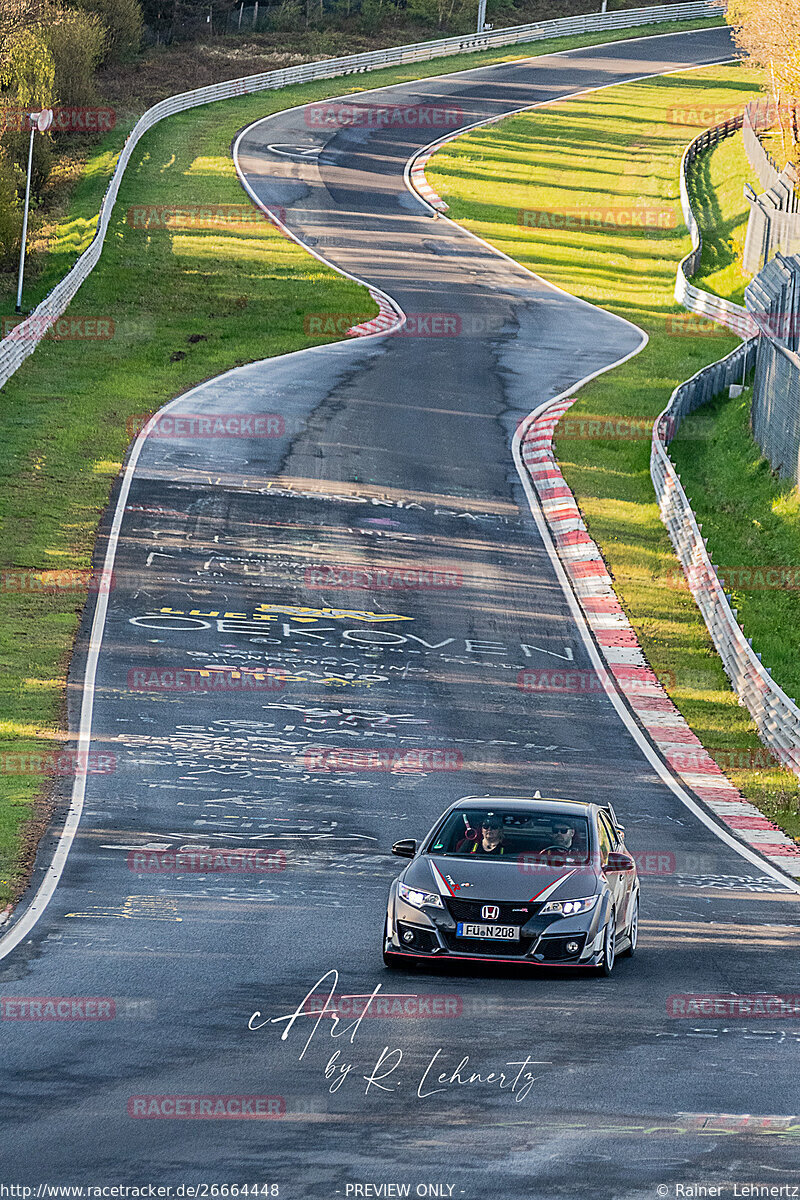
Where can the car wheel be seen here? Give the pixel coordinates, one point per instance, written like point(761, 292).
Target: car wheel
point(609, 948)
point(633, 931)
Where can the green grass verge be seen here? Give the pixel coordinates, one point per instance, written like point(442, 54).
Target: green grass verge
point(620, 149)
point(185, 307)
point(716, 182)
point(74, 235)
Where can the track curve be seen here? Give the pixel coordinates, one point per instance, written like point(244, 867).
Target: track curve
point(388, 451)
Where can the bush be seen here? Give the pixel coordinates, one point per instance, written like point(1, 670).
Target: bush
point(123, 22)
point(10, 212)
point(76, 40)
point(287, 17)
point(15, 146)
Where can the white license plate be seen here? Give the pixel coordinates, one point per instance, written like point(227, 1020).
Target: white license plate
point(493, 933)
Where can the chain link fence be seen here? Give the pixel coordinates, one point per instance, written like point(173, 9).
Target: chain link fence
point(773, 299)
point(774, 222)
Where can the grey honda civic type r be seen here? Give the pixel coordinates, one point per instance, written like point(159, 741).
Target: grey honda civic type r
point(538, 882)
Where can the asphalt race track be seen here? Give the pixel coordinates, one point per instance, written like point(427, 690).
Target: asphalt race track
point(389, 451)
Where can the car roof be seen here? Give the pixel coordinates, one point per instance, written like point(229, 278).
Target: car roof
point(525, 803)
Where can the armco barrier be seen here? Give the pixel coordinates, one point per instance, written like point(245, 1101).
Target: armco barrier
point(776, 716)
point(14, 351)
point(732, 316)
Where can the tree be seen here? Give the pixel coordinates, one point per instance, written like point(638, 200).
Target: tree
point(27, 71)
point(769, 33)
point(123, 21)
point(27, 78)
point(76, 40)
point(16, 15)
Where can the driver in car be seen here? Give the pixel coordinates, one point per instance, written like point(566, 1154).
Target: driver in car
point(563, 834)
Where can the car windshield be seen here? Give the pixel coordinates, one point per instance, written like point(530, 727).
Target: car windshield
point(558, 837)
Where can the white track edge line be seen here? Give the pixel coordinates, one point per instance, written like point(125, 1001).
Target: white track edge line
point(47, 887)
point(643, 742)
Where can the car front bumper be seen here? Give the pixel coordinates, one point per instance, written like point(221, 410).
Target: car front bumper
point(431, 934)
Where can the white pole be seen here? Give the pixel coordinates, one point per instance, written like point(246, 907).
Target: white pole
point(241, 10)
point(25, 220)
point(482, 14)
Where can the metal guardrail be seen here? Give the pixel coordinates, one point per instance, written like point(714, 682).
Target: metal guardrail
point(777, 717)
point(25, 337)
point(732, 316)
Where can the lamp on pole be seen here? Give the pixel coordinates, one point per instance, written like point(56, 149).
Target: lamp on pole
point(40, 121)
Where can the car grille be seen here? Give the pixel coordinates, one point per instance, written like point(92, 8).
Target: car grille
point(470, 910)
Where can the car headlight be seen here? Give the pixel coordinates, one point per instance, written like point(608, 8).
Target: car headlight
point(569, 908)
point(417, 898)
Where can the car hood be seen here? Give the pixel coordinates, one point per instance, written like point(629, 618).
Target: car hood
point(468, 879)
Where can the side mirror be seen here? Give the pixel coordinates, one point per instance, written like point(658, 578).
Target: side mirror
point(617, 861)
point(406, 848)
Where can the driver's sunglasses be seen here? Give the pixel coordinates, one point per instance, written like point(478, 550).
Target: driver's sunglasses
point(562, 829)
